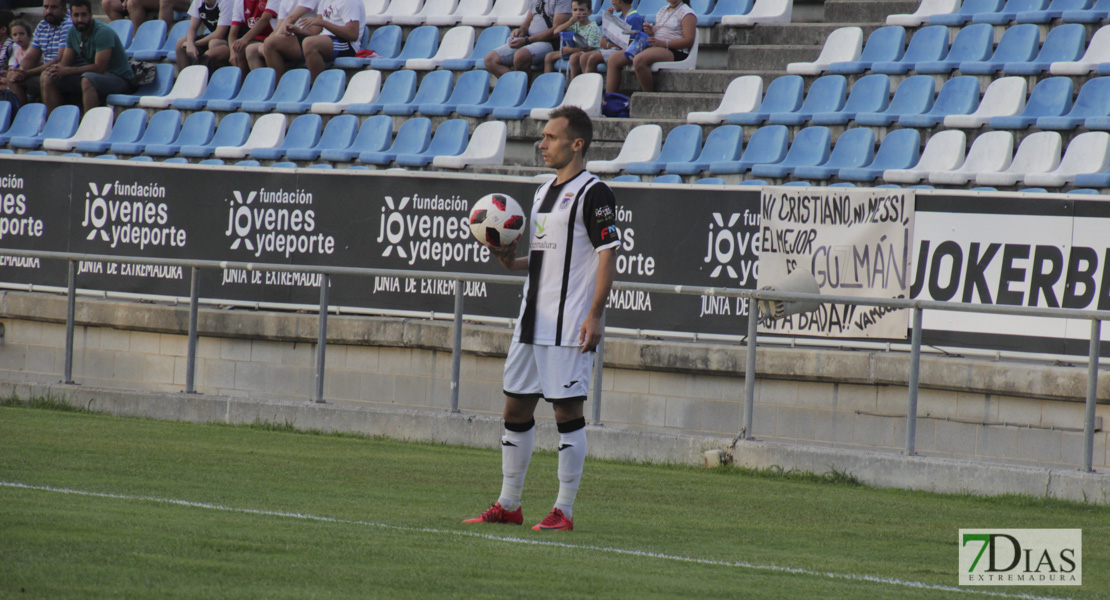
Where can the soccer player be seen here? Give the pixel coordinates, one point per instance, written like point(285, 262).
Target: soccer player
point(571, 263)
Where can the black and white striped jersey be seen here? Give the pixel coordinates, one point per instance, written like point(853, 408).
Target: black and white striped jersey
point(571, 223)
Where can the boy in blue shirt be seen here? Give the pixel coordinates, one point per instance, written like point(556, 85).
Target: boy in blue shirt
point(578, 25)
point(587, 62)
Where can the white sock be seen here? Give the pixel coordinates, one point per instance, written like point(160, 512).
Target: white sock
point(516, 452)
point(572, 457)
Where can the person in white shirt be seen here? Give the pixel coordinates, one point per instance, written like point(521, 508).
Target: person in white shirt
point(320, 39)
point(674, 33)
point(571, 263)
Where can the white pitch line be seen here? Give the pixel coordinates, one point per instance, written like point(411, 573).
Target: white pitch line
point(535, 542)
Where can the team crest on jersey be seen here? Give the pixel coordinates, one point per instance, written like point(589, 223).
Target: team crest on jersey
point(566, 200)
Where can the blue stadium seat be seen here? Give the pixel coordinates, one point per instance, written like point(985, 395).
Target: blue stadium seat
point(211, 162)
point(1050, 98)
point(798, 184)
point(1055, 10)
point(1096, 12)
point(710, 181)
point(177, 160)
point(123, 29)
point(232, 131)
point(285, 164)
point(450, 139)
point(163, 82)
point(338, 134)
point(509, 91)
point(1091, 103)
point(841, 184)
point(1018, 44)
point(959, 96)
point(386, 41)
point(293, 87)
point(107, 157)
point(870, 93)
point(162, 128)
point(669, 178)
point(722, 8)
point(1009, 12)
point(826, 94)
point(471, 88)
point(303, 132)
point(373, 136)
point(967, 11)
point(399, 88)
point(854, 148)
point(141, 159)
point(435, 88)
point(885, 44)
point(723, 143)
point(900, 149)
point(248, 163)
point(1064, 43)
point(27, 122)
point(61, 123)
point(197, 130)
point(914, 96)
point(972, 43)
point(927, 44)
point(128, 127)
point(223, 85)
point(809, 148)
point(149, 36)
point(753, 182)
point(412, 138)
point(421, 42)
point(258, 85)
point(783, 94)
point(328, 87)
point(546, 92)
point(766, 145)
point(321, 166)
point(5, 116)
point(166, 50)
point(627, 179)
point(490, 38)
point(683, 143)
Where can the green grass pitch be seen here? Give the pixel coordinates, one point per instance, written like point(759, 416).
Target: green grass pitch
point(94, 506)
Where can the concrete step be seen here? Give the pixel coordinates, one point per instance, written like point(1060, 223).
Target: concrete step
point(755, 57)
point(866, 11)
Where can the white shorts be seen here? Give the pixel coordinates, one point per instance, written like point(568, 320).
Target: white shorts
point(553, 372)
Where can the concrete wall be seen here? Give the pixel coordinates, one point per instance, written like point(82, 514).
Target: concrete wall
point(969, 409)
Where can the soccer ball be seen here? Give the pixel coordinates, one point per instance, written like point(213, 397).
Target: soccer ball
point(496, 220)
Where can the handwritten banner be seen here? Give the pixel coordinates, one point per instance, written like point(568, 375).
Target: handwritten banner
point(855, 242)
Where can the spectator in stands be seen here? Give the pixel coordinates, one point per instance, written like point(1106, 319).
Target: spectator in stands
point(7, 44)
point(587, 62)
point(214, 16)
point(334, 32)
point(93, 63)
point(137, 10)
point(579, 25)
point(115, 9)
point(251, 23)
point(21, 43)
point(46, 50)
point(674, 33)
point(532, 41)
point(280, 11)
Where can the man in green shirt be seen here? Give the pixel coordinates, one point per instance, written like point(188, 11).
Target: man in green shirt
point(93, 63)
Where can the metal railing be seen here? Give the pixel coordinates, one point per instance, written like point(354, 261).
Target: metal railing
point(752, 296)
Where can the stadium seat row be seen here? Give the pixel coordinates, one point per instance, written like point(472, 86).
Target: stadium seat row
point(945, 159)
point(1019, 51)
point(1002, 12)
point(167, 133)
point(915, 103)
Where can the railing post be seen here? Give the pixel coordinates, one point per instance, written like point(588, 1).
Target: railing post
point(322, 337)
point(1092, 396)
point(71, 314)
point(456, 347)
point(191, 352)
point(915, 375)
point(749, 370)
point(599, 363)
